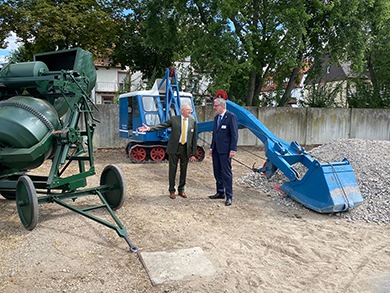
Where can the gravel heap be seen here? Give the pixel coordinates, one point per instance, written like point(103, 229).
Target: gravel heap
point(370, 160)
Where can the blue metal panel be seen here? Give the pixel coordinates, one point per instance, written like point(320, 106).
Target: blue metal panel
point(123, 118)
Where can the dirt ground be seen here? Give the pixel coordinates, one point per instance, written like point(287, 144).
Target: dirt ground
point(255, 245)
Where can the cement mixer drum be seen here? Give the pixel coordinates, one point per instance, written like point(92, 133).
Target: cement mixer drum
point(26, 122)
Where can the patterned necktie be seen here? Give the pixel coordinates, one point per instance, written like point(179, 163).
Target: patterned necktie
point(219, 121)
point(183, 132)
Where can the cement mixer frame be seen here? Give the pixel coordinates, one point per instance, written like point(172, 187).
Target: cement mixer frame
point(61, 80)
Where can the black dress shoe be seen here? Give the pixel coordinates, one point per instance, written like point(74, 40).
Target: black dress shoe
point(228, 202)
point(217, 196)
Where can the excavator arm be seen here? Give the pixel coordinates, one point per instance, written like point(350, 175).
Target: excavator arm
point(325, 187)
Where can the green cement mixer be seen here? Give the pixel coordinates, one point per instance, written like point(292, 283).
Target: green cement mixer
point(46, 114)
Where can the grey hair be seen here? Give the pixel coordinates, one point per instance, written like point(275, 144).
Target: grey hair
point(182, 106)
point(221, 102)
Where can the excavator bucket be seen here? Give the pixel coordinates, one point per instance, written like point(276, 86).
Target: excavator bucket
point(326, 187)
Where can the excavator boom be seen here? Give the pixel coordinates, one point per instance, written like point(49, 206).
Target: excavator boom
point(325, 187)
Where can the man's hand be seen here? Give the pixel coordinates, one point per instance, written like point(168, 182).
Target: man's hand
point(143, 128)
point(231, 154)
point(192, 159)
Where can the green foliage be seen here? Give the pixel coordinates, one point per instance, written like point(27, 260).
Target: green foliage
point(367, 46)
point(48, 25)
point(261, 40)
point(237, 45)
point(19, 55)
point(363, 95)
point(4, 28)
point(326, 95)
point(149, 39)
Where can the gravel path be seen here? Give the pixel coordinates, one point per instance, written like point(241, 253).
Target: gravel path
point(370, 161)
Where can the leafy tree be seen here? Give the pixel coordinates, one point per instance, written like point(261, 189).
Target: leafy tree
point(360, 94)
point(253, 41)
point(330, 31)
point(48, 25)
point(4, 31)
point(324, 95)
point(377, 53)
point(149, 39)
point(366, 30)
point(316, 23)
point(240, 39)
point(241, 45)
point(18, 55)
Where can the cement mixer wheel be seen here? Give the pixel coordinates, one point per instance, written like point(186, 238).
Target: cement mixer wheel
point(113, 177)
point(27, 202)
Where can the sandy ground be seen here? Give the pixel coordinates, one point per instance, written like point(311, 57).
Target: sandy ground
point(256, 245)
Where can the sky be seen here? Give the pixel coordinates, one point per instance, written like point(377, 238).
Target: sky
point(12, 45)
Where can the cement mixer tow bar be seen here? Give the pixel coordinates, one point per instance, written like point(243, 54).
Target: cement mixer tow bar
point(46, 114)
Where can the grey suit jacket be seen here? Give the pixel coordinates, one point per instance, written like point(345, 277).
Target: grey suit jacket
point(173, 143)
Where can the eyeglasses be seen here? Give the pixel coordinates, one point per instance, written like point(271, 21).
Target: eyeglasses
point(217, 106)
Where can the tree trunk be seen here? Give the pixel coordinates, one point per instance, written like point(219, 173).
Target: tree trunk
point(251, 89)
point(376, 99)
point(290, 86)
point(256, 94)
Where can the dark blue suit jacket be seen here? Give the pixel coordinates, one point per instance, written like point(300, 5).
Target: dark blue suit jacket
point(225, 137)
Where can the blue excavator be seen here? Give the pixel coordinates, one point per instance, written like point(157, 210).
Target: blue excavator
point(152, 107)
point(324, 188)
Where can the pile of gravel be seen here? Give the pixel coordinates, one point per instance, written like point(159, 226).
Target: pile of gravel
point(370, 161)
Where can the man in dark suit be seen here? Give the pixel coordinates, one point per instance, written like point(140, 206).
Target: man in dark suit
point(182, 143)
point(223, 148)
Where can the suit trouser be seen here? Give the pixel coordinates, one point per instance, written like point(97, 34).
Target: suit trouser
point(173, 162)
point(222, 167)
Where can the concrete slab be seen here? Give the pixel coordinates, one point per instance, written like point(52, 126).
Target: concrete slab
point(382, 283)
point(163, 266)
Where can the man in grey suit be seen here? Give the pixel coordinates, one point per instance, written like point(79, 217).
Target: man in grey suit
point(182, 144)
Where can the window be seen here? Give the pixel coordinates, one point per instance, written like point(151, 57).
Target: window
point(152, 119)
point(151, 110)
point(135, 108)
point(107, 99)
point(122, 81)
point(149, 103)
